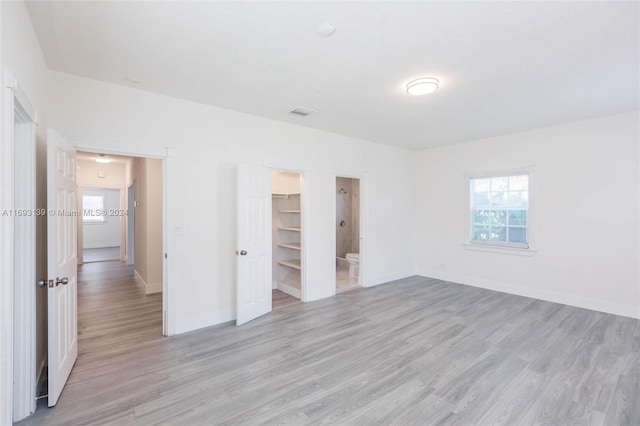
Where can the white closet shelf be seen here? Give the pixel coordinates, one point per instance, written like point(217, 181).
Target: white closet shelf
point(291, 263)
point(290, 229)
point(289, 211)
point(294, 246)
point(284, 195)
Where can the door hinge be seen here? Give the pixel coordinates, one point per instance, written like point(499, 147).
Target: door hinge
point(165, 255)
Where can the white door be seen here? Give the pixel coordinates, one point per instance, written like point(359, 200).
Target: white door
point(62, 263)
point(254, 243)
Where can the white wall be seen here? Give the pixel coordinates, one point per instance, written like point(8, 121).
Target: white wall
point(586, 199)
point(115, 174)
point(20, 52)
point(148, 251)
point(106, 233)
point(210, 142)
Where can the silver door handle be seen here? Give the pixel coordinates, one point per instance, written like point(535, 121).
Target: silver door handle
point(63, 281)
point(42, 283)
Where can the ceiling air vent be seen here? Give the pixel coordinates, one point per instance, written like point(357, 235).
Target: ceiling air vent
point(301, 111)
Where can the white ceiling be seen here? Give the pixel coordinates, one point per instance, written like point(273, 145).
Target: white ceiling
point(503, 66)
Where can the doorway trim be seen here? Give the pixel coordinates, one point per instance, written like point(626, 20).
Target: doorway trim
point(363, 177)
point(303, 170)
point(19, 184)
point(169, 194)
point(130, 232)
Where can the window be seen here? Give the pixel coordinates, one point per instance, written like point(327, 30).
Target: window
point(93, 208)
point(500, 210)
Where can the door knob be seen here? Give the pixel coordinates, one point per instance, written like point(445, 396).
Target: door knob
point(63, 281)
point(42, 283)
point(241, 252)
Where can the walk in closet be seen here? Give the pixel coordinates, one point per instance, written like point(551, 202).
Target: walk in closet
point(287, 232)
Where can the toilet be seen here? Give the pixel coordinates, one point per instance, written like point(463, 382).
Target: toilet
point(354, 264)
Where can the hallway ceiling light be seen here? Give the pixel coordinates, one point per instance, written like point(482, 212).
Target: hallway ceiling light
point(422, 86)
point(103, 160)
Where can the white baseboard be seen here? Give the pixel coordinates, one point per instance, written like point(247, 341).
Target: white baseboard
point(383, 279)
point(223, 318)
point(550, 296)
point(147, 288)
point(100, 245)
point(292, 291)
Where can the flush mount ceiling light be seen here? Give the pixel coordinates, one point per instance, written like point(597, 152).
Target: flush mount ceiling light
point(422, 86)
point(103, 160)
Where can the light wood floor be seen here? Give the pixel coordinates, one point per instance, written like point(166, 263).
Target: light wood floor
point(416, 351)
point(280, 299)
point(101, 254)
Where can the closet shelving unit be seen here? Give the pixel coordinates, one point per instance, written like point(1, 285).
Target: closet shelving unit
point(288, 245)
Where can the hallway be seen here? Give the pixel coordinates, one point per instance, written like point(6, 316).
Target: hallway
point(113, 312)
point(119, 328)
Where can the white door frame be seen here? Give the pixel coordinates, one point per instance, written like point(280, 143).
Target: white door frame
point(169, 192)
point(130, 232)
point(304, 214)
point(18, 184)
point(363, 177)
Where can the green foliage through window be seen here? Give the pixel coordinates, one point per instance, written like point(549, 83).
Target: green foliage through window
point(499, 209)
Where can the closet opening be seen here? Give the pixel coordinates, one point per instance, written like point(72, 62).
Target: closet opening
point(287, 238)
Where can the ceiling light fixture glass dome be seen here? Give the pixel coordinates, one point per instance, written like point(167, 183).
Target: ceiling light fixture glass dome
point(422, 86)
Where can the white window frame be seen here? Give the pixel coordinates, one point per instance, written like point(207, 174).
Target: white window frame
point(93, 219)
point(498, 246)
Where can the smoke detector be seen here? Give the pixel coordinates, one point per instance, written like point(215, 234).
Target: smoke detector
point(326, 29)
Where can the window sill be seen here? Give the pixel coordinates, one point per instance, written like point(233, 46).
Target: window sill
point(517, 251)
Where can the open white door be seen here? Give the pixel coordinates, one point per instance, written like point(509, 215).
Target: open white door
point(62, 263)
point(254, 243)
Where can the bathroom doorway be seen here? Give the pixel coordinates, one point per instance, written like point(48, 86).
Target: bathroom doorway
point(347, 233)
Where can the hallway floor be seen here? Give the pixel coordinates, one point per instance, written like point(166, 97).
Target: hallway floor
point(118, 326)
point(100, 254)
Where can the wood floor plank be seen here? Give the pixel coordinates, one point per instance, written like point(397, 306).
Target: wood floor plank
point(414, 351)
point(517, 400)
point(624, 408)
